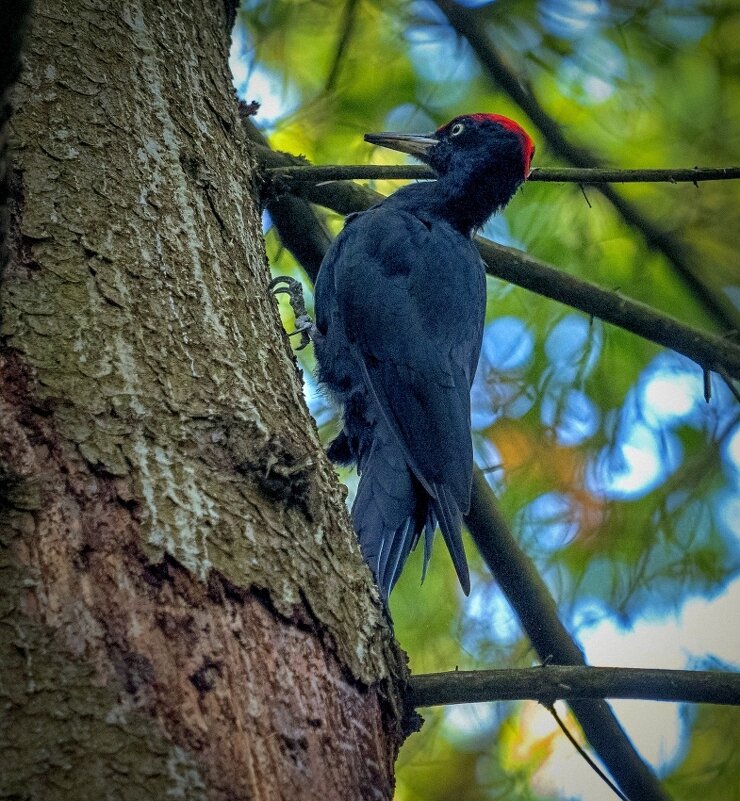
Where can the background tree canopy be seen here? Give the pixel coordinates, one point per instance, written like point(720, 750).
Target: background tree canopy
point(619, 480)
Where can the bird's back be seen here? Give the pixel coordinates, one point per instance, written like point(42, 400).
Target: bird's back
point(400, 302)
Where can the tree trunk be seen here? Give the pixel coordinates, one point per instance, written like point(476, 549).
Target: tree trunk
point(184, 611)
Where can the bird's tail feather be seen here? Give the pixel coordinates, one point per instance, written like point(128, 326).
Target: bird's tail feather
point(429, 528)
point(450, 522)
point(390, 511)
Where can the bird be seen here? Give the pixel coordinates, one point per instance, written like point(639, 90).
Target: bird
point(400, 304)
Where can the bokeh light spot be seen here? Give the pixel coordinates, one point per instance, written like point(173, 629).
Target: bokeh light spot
point(508, 343)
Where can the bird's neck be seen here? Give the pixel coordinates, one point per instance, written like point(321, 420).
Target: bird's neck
point(467, 201)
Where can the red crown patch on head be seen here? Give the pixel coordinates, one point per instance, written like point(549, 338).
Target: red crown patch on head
point(510, 125)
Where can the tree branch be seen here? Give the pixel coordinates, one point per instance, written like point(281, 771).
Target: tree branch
point(466, 24)
point(551, 682)
point(349, 18)
point(309, 174)
point(707, 350)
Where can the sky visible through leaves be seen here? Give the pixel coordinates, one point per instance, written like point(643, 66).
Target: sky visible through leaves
point(619, 480)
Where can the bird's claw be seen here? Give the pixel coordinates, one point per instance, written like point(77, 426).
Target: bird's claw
point(293, 289)
point(285, 285)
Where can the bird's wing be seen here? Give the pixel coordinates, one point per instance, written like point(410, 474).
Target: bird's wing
point(412, 299)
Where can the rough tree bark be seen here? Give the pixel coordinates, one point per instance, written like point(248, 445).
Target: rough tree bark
point(183, 608)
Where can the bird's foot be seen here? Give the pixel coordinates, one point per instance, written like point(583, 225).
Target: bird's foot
point(304, 325)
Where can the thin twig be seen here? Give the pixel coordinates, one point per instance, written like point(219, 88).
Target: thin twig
point(339, 172)
point(587, 757)
point(552, 682)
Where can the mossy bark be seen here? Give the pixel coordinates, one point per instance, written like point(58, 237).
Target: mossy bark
point(183, 608)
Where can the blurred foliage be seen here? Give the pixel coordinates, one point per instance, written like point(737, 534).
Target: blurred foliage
point(620, 481)
point(712, 763)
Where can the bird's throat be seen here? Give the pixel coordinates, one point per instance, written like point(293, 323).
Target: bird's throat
point(469, 202)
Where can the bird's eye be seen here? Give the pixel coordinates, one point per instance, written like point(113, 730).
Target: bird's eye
point(457, 129)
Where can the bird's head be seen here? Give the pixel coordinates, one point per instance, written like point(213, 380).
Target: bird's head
point(483, 143)
point(480, 159)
